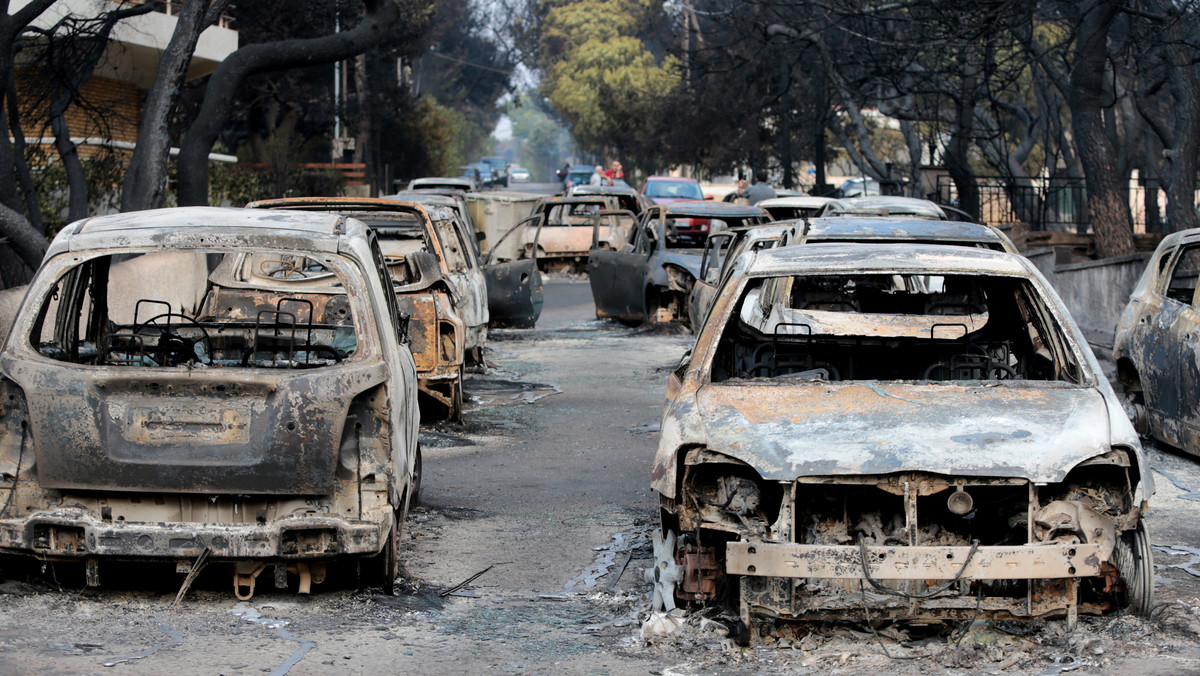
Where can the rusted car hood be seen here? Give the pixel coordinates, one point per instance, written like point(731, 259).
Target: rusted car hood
point(821, 429)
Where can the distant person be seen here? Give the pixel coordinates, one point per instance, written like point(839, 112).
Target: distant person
point(564, 173)
point(598, 177)
point(614, 173)
point(758, 190)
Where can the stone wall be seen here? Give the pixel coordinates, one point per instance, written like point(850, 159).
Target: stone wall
point(1094, 291)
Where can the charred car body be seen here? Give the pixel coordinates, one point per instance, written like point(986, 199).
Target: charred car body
point(437, 280)
point(262, 415)
point(567, 229)
point(723, 249)
point(908, 431)
point(1157, 344)
point(627, 198)
point(649, 278)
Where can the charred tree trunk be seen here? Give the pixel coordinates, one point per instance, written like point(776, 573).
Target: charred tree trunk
point(1184, 155)
point(23, 238)
point(87, 55)
point(258, 58)
point(20, 165)
point(1107, 190)
point(146, 178)
point(28, 243)
point(958, 150)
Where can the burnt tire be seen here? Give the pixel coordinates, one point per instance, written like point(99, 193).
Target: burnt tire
point(1134, 561)
point(456, 397)
point(415, 490)
point(389, 558)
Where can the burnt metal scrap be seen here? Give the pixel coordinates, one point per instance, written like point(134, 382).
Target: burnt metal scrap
point(909, 431)
point(1157, 348)
point(268, 422)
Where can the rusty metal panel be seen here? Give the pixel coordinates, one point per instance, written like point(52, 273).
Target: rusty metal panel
point(422, 331)
point(914, 563)
point(271, 431)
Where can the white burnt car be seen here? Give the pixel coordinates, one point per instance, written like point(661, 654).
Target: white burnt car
point(904, 431)
point(228, 387)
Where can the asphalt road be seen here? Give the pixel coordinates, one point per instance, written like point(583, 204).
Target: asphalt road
point(540, 504)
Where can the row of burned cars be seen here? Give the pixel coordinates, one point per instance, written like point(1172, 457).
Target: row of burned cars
point(886, 414)
point(242, 386)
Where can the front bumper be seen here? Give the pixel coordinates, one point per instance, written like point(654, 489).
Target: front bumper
point(1019, 562)
point(828, 581)
point(77, 534)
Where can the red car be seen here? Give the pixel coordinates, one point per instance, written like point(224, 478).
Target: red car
point(666, 189)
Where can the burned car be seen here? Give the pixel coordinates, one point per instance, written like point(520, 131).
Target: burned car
point(884, 205)
point(897, 432)
point(787, 208)
point(1156, 343)
point(567, 230)
point(436, 285)
point(648, 279)
point(723, 249)
point(261, 416)
point(627, 198)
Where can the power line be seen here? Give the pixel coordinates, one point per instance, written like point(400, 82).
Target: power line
point(469, 63)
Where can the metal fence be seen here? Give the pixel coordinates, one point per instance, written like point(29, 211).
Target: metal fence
point(1044, 204)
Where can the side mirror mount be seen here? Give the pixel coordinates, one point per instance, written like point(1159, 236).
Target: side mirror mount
point(675, 380)
point(424, 266)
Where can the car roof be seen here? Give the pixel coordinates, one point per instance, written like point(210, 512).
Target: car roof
point(186, 226)
point(380, 204)
point(574, 199)
point(603, 190)
point(710, 209)
point(794, 201)
point(866, 227)
point(887, 205)
point(209, 217)
point(681, 179)
point(443, 199)
point(838, 257)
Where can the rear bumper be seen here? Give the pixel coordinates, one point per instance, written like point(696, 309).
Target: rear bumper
point(71, 533)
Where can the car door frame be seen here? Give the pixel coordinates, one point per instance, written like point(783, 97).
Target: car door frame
point(619, 279)
point(514, 288)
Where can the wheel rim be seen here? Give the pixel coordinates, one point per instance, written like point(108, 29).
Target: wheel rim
point(1134, 561)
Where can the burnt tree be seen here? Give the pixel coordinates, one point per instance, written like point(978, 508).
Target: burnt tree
point(222, 87)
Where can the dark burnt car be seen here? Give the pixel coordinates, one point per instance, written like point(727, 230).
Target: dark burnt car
point(1156, 345)
point(910, 432)
point(649, 278)
point(261, 416)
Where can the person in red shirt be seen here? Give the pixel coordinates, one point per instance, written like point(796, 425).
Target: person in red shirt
point(614, 173)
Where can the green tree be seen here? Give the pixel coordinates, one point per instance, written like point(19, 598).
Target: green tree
point(602, 76)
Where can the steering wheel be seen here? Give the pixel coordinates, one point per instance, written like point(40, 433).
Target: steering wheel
point(173, 349)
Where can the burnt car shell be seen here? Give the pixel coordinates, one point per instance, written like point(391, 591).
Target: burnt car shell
point(281, 431)
point(1156, 347)
point(862, 229)
point(444, 296)
point(830, 453)
point(649, 278)
point(567, 230)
